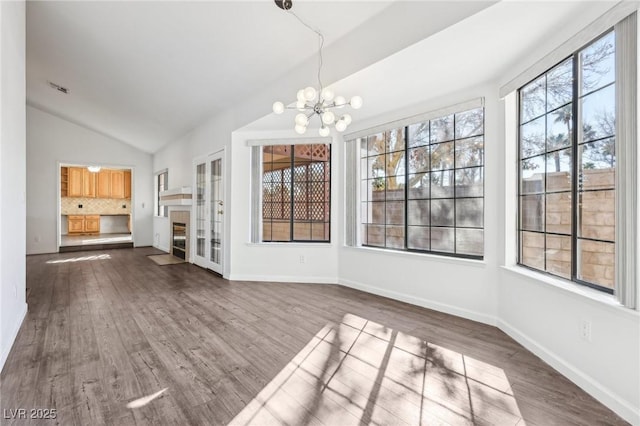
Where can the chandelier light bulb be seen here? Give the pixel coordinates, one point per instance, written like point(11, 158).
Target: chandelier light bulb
point(340, 101)
point(327, 95)
point(301, 120)
point(300, 129)
point(356, 102)
point(278, 107)
point(310, 93)
point(341, 126)
point(347, 119)
point(300, 95)
point(324, 131)
point(328, 117)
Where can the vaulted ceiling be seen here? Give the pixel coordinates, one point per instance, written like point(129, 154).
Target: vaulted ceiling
point(146, 73)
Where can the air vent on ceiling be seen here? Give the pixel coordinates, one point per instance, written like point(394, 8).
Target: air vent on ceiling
point(58, 87)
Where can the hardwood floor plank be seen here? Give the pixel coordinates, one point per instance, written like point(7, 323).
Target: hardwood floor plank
point(108, 327)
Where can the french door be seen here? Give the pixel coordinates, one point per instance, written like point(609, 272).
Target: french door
point(208, 212)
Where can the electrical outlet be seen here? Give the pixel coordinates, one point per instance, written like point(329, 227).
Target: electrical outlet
point(585, 330)
point(124, 206)
point(79, 206)
point(301, 259)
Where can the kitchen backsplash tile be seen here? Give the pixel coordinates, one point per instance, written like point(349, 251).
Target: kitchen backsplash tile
point(95, 206)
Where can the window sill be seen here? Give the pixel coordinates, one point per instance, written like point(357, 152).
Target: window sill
point(295, 244)
point(429, 256)
point(567, 286)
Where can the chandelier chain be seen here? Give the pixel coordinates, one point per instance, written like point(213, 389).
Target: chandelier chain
point(320, 42)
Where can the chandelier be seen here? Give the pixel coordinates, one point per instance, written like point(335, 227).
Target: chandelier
point(321, 102)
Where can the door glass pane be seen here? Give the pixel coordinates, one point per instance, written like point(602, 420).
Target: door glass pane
point(200, 209)
point(217, 211)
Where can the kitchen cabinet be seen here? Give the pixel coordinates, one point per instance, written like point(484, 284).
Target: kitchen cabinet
point(103, 183)
point(64, 181)
point(117, 183)
point(75, 184)
point(88, 184)
point(127, 184)
point(83, 224)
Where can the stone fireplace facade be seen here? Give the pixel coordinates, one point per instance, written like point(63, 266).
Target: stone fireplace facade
point(177, 217)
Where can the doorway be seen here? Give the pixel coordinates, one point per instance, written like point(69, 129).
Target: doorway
point(208, 220)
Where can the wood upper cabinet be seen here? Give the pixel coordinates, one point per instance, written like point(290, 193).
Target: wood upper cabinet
point(127, 184)
point(117, 183)
point(88, 184)
point(103, 184)
point(75, 183)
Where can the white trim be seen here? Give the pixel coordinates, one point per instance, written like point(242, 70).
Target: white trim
point(607, 397)
point(14, 335)
point(290, 141)
point(618, 12)
point(284, 244)
point(418, 301)
point(421, 256)
point(283, 279)
point(452, 109)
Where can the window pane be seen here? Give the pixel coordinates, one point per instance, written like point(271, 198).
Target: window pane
point(597, 215)
point(376, 167)
point(559, 167)
point(470, 241)
point(442, 129)
point(418, 238)
point(469, 152)
point(395, 163)
point(442, 212)
point(558, 217)
point(375, 235)
point(532, 138)
point(469, 212)
point(376, 144)
point(596, 262)
point(560, 85)
point(598, 63)
point(395, 213)
point(418, 212)
point(559, 128)
point(419, 186)
point(320, 232)
point(599, 114)
point(532, 249)
point(364, 213)
point(419, 159)
point(442, 239)
point(395, 237)
point(533, 100)
point(395, 140)
point(532, 213)
point(377, 212)
point(364, 147)
point(597, 165)
point(469, 123)
point(395, 188)
point(442, 184)
point(532, 175)
point(442, 156)
point(302, 230)
point(419, 134)
point(558, 252)
point(470, 182)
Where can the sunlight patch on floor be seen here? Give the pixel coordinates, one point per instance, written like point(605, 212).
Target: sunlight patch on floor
point(81, 259)
point(361, 372)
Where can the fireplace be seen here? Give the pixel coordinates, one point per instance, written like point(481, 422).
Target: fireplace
point(179, 233)
point(179, 240)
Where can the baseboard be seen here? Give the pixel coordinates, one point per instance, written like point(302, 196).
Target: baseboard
point(164, 249)
point(14, 334)
point(623, 408)
point(425, 303)
point(283, 279)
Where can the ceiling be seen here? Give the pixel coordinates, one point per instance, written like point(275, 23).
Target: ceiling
point(148, 72)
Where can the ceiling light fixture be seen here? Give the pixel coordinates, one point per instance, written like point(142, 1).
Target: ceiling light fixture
point(320, 102)
point(94, 169)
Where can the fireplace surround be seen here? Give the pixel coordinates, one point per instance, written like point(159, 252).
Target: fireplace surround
point(179, 236)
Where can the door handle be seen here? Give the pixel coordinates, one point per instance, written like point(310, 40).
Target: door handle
point(219, 211)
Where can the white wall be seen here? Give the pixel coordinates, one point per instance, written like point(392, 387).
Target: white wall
point(13, 305)
point(52, 140)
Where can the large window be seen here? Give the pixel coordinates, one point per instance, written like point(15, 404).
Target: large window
point(296, 193)
point(162, 184)
point(567, 164)
point(422, 186)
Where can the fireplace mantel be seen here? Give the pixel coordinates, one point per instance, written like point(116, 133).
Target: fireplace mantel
point(176, 197)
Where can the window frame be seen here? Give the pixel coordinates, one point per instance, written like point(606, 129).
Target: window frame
point(405, 125)
point(260, 188)
point(574, 147)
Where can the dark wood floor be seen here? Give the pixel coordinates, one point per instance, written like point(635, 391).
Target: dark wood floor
point(105, 328)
